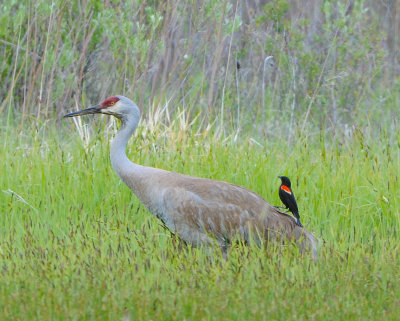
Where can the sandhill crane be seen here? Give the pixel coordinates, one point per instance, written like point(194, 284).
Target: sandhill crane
point(198, 210)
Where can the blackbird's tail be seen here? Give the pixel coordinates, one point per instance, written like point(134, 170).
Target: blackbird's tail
point(297, 216)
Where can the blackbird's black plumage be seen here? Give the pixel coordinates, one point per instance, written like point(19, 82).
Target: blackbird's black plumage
point(287, 197)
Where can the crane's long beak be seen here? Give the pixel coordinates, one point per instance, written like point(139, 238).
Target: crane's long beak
point(91, 110)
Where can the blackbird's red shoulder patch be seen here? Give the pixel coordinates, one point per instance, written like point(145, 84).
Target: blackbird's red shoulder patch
point(286, 189)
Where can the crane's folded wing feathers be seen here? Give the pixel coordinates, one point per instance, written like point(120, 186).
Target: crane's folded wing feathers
point(221, 209)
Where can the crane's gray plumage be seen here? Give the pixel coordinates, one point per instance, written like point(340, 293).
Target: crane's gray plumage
point(196, 209)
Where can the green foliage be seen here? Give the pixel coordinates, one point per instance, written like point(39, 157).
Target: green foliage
point(275, 11)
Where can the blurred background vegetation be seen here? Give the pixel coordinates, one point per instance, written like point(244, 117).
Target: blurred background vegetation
point(335, 64)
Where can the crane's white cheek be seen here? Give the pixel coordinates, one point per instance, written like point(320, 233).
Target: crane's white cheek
point(109, 111)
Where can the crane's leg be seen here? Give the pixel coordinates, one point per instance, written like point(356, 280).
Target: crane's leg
point(224, 244)
point(224, 250)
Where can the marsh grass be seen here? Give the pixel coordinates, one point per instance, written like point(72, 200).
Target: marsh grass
point(76, 244)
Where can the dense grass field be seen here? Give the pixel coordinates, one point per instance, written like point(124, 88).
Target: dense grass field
point(240, 91)
point(75, 244)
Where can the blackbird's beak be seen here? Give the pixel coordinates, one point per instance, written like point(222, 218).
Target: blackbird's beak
point(91, 110)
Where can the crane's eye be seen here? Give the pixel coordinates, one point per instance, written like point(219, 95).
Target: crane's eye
point(112, 103)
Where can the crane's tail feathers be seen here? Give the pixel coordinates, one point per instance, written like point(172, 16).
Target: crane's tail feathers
point(306, 241)
point(313, 242)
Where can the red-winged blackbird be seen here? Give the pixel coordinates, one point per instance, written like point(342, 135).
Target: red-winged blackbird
point(287, 197)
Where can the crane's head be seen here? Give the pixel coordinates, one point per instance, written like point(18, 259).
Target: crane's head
point(118, 106)
point(285, 180)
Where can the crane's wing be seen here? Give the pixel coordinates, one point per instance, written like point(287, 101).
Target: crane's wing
point(220, 209)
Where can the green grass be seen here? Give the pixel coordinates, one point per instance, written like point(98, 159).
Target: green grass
point(75, 244)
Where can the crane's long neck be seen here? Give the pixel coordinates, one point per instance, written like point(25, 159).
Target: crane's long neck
point(120, 162)
point(130, 173)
